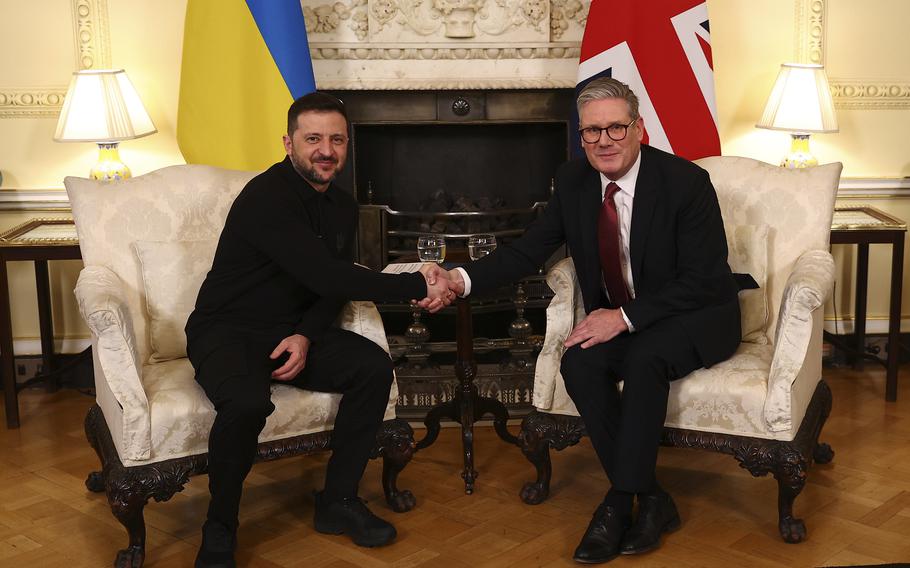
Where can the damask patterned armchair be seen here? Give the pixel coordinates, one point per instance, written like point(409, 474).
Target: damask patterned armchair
point(147, 244)
point(767, 404)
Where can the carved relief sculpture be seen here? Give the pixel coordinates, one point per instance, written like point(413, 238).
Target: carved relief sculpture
point(444, 20)
point(565, 14)
point(325, 21)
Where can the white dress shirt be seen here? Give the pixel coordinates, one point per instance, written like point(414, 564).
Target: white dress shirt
point(623, 200)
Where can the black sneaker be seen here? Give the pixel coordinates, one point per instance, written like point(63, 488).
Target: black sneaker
point(351, 516)
point(218, 544)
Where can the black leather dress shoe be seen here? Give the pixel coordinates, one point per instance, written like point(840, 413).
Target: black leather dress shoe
point(218, 544)
point(601, 541)
point(351, 516)
point(657, 514)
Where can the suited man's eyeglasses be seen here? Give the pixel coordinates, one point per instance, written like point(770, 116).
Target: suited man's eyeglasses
point(616, 132)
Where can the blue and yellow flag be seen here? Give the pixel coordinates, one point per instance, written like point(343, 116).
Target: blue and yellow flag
point(244, 62)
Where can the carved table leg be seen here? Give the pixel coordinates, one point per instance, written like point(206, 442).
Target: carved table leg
point(486, 405)
point(465, 372)
point(434, 417)
point(396, 444)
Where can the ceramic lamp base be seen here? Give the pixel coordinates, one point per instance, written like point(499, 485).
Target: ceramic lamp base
point(109, 166)
point(799, 156)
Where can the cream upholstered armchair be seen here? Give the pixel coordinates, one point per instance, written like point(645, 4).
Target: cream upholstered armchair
point(147, 244)
point(767, 404)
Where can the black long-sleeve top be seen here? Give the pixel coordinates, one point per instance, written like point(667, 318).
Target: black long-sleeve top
point(284, 260)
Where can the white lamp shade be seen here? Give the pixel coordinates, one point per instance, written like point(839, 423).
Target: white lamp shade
point(800, 101)
point(102, 106)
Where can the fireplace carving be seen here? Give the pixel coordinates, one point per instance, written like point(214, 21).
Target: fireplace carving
point(445, 44)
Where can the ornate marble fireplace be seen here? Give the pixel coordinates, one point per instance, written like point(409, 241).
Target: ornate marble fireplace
point(467, 97)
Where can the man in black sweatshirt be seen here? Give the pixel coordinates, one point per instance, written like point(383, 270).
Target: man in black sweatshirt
point(282, 272)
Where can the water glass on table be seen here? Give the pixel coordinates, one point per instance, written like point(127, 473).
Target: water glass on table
point(480, 246)
point(431, 248)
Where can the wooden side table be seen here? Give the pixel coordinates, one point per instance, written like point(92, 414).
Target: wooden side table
point(862, 226)
point(467, 406)
point(38, 240)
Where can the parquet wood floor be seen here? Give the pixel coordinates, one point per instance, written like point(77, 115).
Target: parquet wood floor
point(857, 508)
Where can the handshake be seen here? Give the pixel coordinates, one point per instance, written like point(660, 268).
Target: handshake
point(443, 286)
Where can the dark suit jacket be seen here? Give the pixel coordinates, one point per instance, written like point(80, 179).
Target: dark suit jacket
point(677, 246)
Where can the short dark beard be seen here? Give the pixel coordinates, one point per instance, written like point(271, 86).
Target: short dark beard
point(311, 175)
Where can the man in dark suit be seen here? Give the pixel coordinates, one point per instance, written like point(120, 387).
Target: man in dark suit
point(645, 233)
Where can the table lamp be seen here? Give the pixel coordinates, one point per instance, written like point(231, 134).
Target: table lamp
point(800, 103)
point(102, 106)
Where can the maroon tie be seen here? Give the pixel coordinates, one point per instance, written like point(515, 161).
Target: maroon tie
point(610, 259)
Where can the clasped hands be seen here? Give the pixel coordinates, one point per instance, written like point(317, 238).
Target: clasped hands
point(443, 286)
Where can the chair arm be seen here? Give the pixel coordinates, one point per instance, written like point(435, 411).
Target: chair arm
point(560, 321)
point(100, 295)
point(807, 288)
point(363, 319)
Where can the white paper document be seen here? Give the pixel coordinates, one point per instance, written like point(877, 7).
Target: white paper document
point(402, 267)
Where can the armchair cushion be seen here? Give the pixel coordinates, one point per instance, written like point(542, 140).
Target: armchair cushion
point(748, 254)
point(172, 273)
point(181, 415)
point(728, 398)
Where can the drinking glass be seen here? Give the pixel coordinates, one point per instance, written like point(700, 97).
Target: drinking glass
point(431, 248)
point(480, 246)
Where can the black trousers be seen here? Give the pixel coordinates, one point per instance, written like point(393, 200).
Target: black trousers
point(625, 428)
point(234, 369)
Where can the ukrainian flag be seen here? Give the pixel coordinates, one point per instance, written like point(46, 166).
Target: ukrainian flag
point(244, 62)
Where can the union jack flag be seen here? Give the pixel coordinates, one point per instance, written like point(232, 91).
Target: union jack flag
point(662, 50)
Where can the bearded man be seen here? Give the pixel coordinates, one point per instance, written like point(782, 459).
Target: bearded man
point(282, 271)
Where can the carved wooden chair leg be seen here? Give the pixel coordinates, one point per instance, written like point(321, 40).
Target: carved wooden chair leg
point(94, 482)
point(396, 445)
point(535, 446)
point(790, 470)
point(128, 504)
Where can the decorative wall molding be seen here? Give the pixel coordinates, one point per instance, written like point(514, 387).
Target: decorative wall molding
point(34, 200)
point(442, 53)
point(853, 93)
point(30, 103)
point(875, 325)
point(70, 344)
point(873, 187)
point(810, 31)
point(458, 83)
point(870, 94)
point(91, 34)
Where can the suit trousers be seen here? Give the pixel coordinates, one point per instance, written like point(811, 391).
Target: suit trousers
point(625, 428)
point(235, 371)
